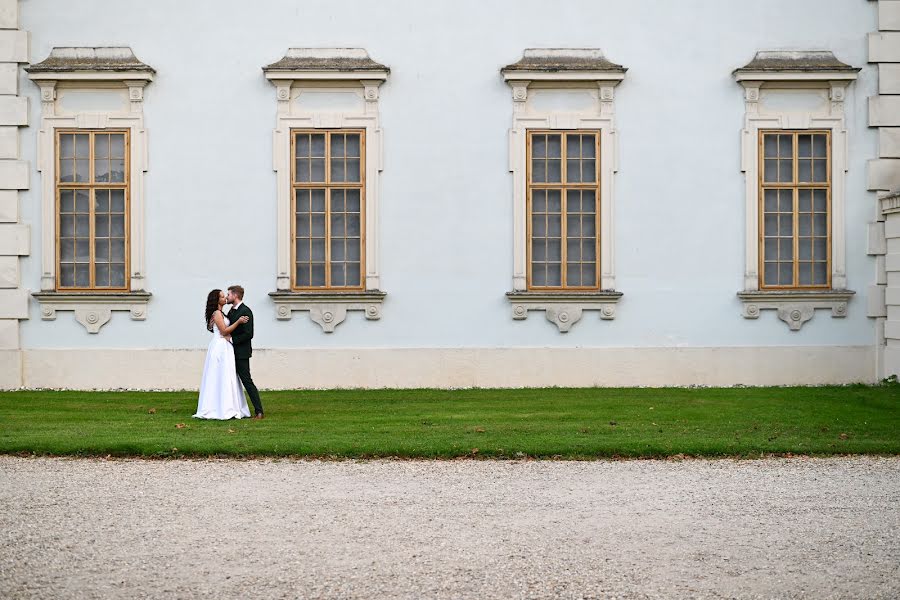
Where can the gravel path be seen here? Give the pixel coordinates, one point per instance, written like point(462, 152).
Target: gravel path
point(792, 528)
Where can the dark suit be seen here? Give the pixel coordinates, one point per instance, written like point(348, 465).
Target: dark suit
point(243, 350)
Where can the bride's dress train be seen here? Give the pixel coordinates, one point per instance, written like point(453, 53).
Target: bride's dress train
point(221, 395)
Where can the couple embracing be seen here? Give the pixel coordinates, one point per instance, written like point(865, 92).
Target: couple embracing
point(228, 359)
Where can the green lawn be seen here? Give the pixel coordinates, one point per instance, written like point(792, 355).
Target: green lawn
point(563, 423)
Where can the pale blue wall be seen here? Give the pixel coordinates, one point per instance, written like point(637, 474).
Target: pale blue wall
point(446, 223)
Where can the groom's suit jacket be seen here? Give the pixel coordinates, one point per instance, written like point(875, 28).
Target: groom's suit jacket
point(243, 333)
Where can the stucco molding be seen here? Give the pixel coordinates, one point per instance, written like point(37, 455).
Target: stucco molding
point(328, 310)
point(564, 309)
point(95, 63)
point(93, 310)
point(129, 116)
point(344, 72)
point(831, 82)
point(563, 73)
point(795, 307)
point(890, 204)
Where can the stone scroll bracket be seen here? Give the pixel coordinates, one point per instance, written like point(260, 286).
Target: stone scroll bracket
point(93, 310)
point(795, 307)
point(564, 309)
point(328, 310)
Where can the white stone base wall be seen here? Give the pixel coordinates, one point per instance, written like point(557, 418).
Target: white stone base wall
point(453, 367)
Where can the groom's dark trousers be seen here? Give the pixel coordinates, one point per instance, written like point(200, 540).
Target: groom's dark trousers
point(243, 350)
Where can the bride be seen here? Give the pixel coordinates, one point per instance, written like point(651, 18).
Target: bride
point(221, 395)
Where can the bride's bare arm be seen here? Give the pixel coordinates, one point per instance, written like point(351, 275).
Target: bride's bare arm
point(219, 320)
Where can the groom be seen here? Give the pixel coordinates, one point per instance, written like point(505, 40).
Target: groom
point(240, 338)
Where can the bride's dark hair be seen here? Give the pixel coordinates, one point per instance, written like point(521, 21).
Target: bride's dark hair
point(212, 305)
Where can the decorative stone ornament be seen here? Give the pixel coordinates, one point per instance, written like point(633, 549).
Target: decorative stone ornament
point(795, 307)
point(778, 74)
point(328, 310)
point(564, 309)
point(93, 310)
point(548, 71)
point(353, 78)
point(117, 73)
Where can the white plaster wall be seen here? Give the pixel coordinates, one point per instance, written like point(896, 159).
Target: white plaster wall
point(446, 230)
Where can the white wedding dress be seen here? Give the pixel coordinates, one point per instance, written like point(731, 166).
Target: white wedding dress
point(221, 394)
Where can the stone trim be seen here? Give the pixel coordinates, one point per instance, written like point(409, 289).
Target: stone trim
point(564, 309)
point(84, 63)
point(599, 115)
point(561, 60)
point(302, 74)
point(767, 63)
point(326, 309)
point(830, 116)
point(93, 310)
point(129, 116)
point(795, 307)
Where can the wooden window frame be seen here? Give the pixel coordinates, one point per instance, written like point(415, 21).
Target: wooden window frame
point(564, 187)
point(328, 185)
point(91, 186)
point(795, 186)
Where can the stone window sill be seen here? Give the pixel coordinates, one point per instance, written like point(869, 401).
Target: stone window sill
point(564, 309)
point(93, 309)
point(795, 307)
point(328, 309)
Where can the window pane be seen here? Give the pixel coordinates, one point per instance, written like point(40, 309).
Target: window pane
point(538, 249)
point(117, 250)
point(82, 146)
point(573, 146)
point(805, 273)
point(820, 248)
point(117, 145)
point(318, 169)
point(554, 146)
point(302, 170)
point(66, 170)
point(67, 250)
point(588, 203)
point(117, 275)
point(117, 225)
point(318, 275)
point(353, 228)
point(82, 275)
point(539, 201)
point(337, 225)
point(804, 246)
point(539, 225)
point(353, 203)
point(770, 170)
point(117, 170)
point(770, 224)
point(785, 146)
point(820, 273)
point(573, 249)
point(820, 200)
point(805, 201)
point(539, 146)
point(301, 145)
point(101, 146)
point(770, 249)
point(554, 171)
point(67, 276)
point(353, 145)
point(785, 274)
point(82, 225)
point(588, 250)
point(820, 145)
point(81, 201)
point(573, 171)
point(573, 225)
point(101, 225)
point(573, 274)
point(338, 250)
point(538, 170)
point(101, 275)
point(303, 276)
point(101, 250)
point(588, 143)
point(303, 251)
point(318, 145)
point(302, 200)
point(337, 200)
point(302, 225)
point(318, 249)
point(554, 201)
point(539, 275)
point(337, 170)
point(353, 250)
point(785, 224)
point(337, 274)
point(785, 201)
point(337, 146)
point(353, 172)
point(820, 224)
point(588, 226)
point(588, 171)
point(554, 225)
point(554, 274)
point(804, 146)
point(785, 171)
point(820, 170)
point(318, 200)
point(785, 249)
point(66, 146)
point(67, 225)
point(353, 273)
point(318, 225)
point(770, 146)
point(804, 172)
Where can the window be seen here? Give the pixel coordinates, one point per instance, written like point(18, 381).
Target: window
point(92, 210)
point(329, 208)
point(795, 205)
point(92, 154)
point(563, 187)
point(327, 161)
point(794, 154)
